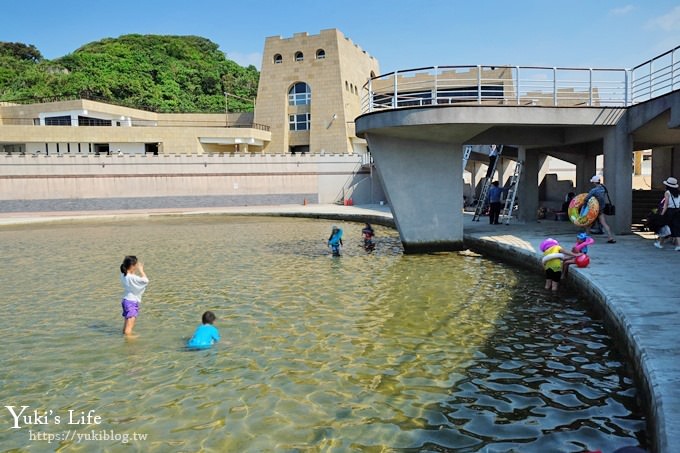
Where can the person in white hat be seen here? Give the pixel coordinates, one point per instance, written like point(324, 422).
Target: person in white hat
point(599, 191)
point(671, 209)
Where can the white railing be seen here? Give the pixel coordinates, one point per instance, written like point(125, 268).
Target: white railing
point(497, 85)
point(656, 77)
point(523, 85)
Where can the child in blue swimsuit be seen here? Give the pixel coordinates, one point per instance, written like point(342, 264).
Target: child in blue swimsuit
point(206, 334)
point(335, 240)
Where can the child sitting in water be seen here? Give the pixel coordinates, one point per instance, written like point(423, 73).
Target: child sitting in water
point(553, 255)
point(335, 240)
point(206, 334)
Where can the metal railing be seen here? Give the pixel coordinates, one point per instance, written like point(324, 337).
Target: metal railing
point(497, 85)
point(656, 77)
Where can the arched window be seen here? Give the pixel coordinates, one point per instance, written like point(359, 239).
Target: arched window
point(372, 74)
point(278, 59)
point(320, 54)
point(299, 56)
point(346, 85)
point(299, 94)
point(351, 88)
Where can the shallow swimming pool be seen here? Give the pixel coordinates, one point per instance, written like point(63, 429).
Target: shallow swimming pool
point(367, 352)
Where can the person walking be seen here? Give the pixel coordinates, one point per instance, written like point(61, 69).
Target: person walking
point(599, 191)
point(671, 209)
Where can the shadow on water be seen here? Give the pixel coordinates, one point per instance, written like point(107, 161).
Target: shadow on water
point(548, 378)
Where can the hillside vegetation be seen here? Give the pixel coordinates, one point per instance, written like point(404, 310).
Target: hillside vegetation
point(160, 73)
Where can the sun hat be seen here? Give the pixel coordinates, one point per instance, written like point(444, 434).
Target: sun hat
point(671, 182)
point(596, 178)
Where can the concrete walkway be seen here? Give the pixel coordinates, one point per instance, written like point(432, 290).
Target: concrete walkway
point(634, 284)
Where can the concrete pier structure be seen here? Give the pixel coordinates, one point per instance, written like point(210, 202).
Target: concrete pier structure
point(417, 138)
point(427, 214)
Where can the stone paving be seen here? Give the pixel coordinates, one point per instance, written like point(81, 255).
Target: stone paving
point(635, 285)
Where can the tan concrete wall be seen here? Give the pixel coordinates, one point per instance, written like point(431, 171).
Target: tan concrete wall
point(34, 177)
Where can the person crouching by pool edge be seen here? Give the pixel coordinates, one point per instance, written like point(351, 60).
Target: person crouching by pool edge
point(335, 240)
point(206, 334)
point(133, 288)
point(553, 255)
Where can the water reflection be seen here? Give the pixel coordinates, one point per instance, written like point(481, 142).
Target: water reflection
point(364, 352)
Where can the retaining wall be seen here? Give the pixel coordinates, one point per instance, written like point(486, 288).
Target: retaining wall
point(95, 182)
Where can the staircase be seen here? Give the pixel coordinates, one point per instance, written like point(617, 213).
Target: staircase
point(643, 202)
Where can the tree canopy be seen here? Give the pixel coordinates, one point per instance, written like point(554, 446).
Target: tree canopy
point(156, 72)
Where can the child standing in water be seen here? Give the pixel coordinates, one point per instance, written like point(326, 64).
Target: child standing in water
point(553, 255)
point(335, 240)
point(133, 287)
point(368, 233)
point(206, 334)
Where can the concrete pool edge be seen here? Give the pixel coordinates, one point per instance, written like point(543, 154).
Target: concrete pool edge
point(615, 319)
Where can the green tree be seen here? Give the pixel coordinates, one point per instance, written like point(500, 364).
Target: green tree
point(162, 73)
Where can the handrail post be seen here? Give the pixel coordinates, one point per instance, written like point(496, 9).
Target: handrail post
point(434, 93)
point(518, 85)
point(394, 94)
point(650, 80)
point(672, 70)
point(554, 86)
point(590, 87)
point(370, 94)
point(479, 84)
point(626, 82)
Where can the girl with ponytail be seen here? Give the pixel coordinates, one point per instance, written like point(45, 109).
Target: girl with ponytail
point(133, 287)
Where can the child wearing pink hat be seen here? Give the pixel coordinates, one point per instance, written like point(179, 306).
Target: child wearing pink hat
point(553, 255)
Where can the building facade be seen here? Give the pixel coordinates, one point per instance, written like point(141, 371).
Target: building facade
point(310, 92)
point(82, 126)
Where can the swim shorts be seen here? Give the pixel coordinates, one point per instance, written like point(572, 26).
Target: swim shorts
point(555, 276)
point(130, 308)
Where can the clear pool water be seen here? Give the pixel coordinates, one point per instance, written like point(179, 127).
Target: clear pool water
point(366, 352)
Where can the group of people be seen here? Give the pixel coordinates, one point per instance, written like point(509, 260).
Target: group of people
point(556, 260)
point(134, 281)
point(335, 239)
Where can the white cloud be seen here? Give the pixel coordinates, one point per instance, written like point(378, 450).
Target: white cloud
point(668, 22)
point(246, 59)
point(622, 10)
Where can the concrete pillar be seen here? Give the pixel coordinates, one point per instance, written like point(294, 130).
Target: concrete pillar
point(585, 169)
point(504, 171)
point(618, 177)
point(528, 185)
point(424, 189)
point(661, 165)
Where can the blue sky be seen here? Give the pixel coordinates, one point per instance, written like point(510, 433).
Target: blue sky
point(400, 34)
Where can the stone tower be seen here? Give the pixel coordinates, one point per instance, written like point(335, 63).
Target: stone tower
point(310, 91)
